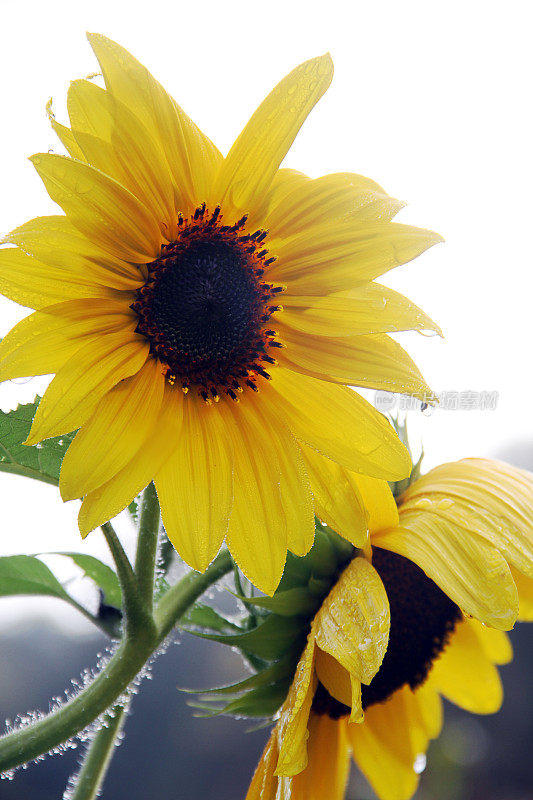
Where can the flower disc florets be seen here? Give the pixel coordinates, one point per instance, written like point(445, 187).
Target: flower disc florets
point(205, 307)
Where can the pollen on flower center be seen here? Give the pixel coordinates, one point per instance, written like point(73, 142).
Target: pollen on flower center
point(422, 619)
point(205, 307)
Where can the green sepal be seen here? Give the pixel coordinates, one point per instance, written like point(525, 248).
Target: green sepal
point(270, 640)
point(204, 616)
point(277, 670)
point(291, 603)
point(261, 702)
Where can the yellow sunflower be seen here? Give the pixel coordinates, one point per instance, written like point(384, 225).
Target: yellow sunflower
point(179, 282)
point(450, 575)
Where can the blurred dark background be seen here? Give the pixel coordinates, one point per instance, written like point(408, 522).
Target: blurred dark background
point(167, 752)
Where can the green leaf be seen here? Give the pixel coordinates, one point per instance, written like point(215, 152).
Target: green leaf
point(40, 461)
point(100, 573)
point(28, 575)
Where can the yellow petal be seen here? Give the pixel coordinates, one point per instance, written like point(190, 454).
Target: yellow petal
point(85, 378)
point(473, 574)
point(64, 135)
point(56, 242)
point(383, 748)
point(341, 255)
point(192, 158)
point(336, 496)
point(31, 283)
point(292, 729)
point(251, 164)
point(430, 709)
point(257, 535)
point(264, 782)
point(42, 342)
point(333, 677)
point(329, 761)
point(464, 674)
point(102, 209)
point(195, 485)
point(488, 497)
point(295, 486)
point(379, 503)
point(332, 197)
point(496, 644)
point(115, 141)
point(524, 586)
point(352, 625)
point(364, 442)
point(370, 308)
point(117, 429)
point(373, 362)
point(110, 499)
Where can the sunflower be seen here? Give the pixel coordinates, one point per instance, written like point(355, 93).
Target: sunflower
point(178, 283)
point(426, 618)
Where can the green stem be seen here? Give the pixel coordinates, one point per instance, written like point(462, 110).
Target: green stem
point(147, 545)
point(33, 740)
point(179, 597)
point(136, 613)
point(89, 780)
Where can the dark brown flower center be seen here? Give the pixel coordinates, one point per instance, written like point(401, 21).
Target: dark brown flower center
point(422, 619)
point(205, 307)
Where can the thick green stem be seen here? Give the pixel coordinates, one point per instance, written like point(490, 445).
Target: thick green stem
point(90, 778)
point(147, 545)
point(33, 740)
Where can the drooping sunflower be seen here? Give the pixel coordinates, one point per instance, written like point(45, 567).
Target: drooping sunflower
point(426, 618)
point(178, 283)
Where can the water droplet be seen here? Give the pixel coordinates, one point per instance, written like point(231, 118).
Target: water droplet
point(420, 763)
point(445, 503)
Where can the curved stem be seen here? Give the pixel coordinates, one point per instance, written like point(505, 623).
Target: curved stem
point(135, 610)
point(179, 597)
point(147, 544)
point(29, 742)
point(90, 778)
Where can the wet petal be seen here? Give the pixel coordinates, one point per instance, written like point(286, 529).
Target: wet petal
point(464, 674)
point(336, 497)
point(252, 162)
point(85, 378)
point(352, 625)
point(384, 750)
point(331, 197)
point(365, 442)
point(102, 209)
point(257, 535)
point(488, 497)
point(342, 255)
point(195, 486)
point(371, 308)
point(192, 157)
point(472, 573)
point(117, 429)
point(110, 499)
point(372, 362)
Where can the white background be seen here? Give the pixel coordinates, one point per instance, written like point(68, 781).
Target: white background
point(432, 100)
